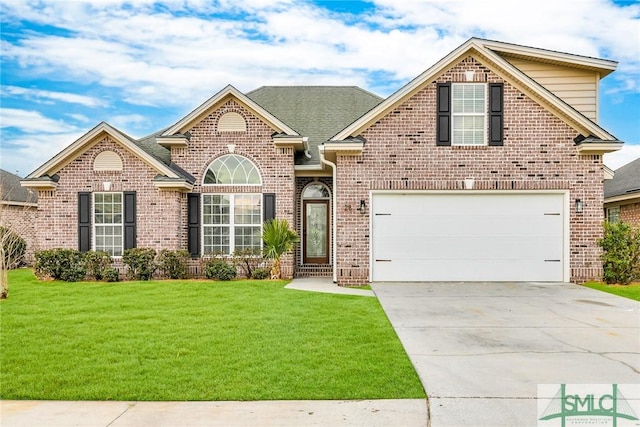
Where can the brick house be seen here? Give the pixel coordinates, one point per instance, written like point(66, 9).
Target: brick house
point(18, 210)
point(622, 194)
point(487, 166)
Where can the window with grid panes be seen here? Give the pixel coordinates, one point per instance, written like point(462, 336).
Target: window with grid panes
point(468, 113)
point(107, 223)
point(231, 222)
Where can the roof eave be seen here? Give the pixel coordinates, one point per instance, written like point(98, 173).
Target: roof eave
point(229, 91)
point(623, 197)
point(599, 147)
point(65, 156)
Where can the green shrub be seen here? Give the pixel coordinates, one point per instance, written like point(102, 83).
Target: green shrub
point(219, 270)
point(621, 253)
point(260, 273)
point(111, 274)
point(13, 248)
point(60, 264)
point(174, 264)
point(140, 263)
point(97, 262)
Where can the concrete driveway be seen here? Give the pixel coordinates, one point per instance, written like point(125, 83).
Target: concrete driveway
point(481, 349)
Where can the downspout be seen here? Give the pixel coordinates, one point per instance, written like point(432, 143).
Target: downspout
point(334, 211)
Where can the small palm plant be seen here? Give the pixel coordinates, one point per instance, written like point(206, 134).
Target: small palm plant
point(278, 239)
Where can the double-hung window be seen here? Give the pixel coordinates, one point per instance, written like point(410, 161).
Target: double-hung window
point(231, 222)
point(108, 223)
point(468, 114)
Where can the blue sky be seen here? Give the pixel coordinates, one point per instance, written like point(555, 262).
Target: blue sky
point(142, 65)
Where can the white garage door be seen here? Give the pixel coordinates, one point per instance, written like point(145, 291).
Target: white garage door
point(467, 237)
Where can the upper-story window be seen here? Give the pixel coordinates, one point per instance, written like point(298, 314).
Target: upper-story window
point(232, 169)
point(469, 113)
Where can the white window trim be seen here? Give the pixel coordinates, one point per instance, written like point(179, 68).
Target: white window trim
point(208, 184)
point(231, 225)
point(484, 114)
point(94, 224)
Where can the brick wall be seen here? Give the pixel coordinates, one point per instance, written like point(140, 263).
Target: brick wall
point(158, 212)
point(21, 220)
point(630, 213)
point(538, 154)
point(276, 165)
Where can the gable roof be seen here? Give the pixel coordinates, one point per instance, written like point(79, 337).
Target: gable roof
point(219, 98)
point(95, 135)
point(487, 53)
point(317, 112)
point(12, 191)
point(625, 183)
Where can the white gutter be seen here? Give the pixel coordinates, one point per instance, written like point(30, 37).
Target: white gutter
point(334, 209)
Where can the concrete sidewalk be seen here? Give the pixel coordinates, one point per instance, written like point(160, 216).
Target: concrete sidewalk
point(369, 413)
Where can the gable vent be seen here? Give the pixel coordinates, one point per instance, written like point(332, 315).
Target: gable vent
point(107, 161)
point(232, 122)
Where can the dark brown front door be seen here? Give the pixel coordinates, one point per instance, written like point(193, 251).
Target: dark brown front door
point(316, 232)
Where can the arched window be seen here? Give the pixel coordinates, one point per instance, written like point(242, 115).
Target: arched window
point(107, 161)
point(315, 191)
point(232, 169)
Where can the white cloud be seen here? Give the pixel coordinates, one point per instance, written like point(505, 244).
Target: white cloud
point(49, 96)
point(31, 122)
point(619, 158)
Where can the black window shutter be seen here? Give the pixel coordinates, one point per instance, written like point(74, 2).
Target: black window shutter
point(193, 224)
point(84, 221)
point(269, 206)
point(129, 219)
point(443, 132)
point(496, 114)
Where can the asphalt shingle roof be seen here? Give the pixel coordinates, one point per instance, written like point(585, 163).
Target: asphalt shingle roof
point(625, 180)
point(317, 112)
point(12, 191)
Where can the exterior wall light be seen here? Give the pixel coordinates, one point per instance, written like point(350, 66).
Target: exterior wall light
point(363, 207)
point(579, 206)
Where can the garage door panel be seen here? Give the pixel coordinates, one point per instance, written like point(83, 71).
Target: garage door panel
point(459, 226)
point(469, 248)
point(454, 271)
point(468, 237)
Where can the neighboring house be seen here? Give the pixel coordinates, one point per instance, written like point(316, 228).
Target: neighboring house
point(622, 194)
point(18, 209)
point(487, 166)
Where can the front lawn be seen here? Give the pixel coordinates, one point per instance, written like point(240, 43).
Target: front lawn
point(631, 291)
point(195, 340)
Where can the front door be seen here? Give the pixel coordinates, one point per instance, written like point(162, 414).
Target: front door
point(316, 232)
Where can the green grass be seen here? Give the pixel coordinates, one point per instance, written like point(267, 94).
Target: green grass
point(195, 340)
point(631, 291)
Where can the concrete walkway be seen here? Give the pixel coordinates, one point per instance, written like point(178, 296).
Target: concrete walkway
point(326, 285)
point(365, 413)
point(482, 349)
